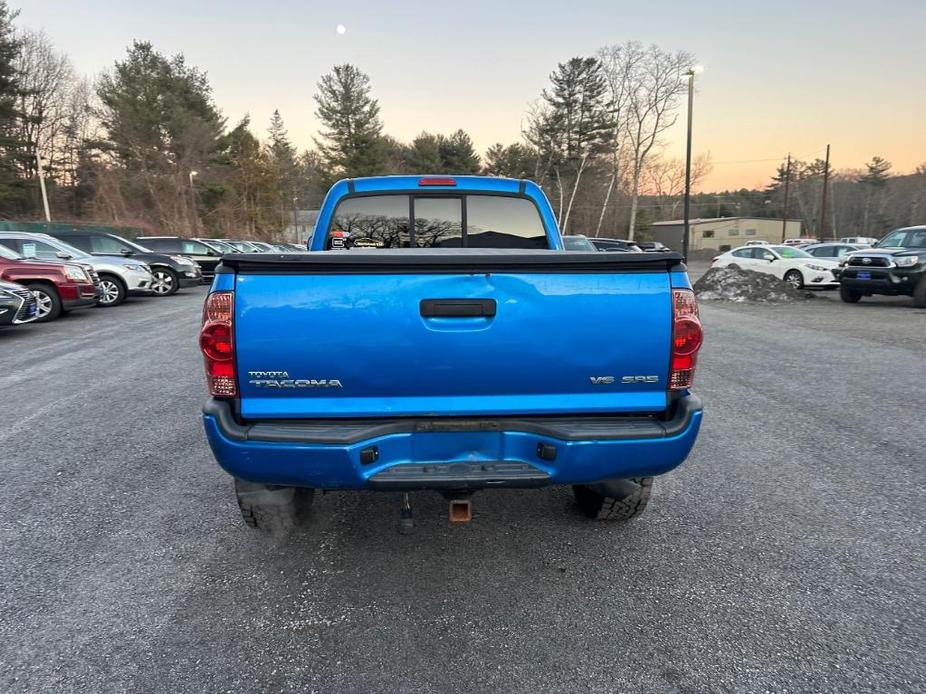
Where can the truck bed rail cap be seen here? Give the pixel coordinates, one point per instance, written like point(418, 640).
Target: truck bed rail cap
point(431, 260)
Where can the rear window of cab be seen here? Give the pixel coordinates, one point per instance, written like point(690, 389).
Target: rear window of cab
point(436, 221)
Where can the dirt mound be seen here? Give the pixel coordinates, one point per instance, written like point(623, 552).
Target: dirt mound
point(733, 284)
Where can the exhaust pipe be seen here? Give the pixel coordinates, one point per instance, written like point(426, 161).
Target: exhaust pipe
point(461, 511)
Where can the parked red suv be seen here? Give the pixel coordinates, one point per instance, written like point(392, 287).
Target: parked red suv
point(57, 287)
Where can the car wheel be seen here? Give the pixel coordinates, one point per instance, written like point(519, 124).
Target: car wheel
point(166, 281)
point(795, 279)
point(850, 296)
point(48, 303)
point(614, 500)
point(271, 508)
point(112, 291)
point(733, 266)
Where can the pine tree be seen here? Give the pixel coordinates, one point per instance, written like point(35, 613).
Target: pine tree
point(579, 121)
point(285, 167)
point(781, 172)
point(247, 196)
point(874, 181)
point(423, 156)
point(457, 154)
point(11, 189)
point(155, 106)
point(280, 147)
point(513, 161)
point(352, 139)
point(876, 172)
point(573, 126)
point(161, 124)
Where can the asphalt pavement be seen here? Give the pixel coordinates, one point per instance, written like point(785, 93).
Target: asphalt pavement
point(786, 555)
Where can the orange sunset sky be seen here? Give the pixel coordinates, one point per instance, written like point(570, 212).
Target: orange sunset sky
point(785, 77)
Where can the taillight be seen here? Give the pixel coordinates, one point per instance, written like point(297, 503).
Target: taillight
point(687, 337)
point(437, 181)
point(217, 343)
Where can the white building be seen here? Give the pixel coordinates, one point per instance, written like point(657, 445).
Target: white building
point(723, 233)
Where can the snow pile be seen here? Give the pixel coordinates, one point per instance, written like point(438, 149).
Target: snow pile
point(734, 284)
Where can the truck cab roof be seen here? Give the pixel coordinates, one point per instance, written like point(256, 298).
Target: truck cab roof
point(437, 210)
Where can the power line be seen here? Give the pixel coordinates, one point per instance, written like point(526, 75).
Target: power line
point(747, 161)
point(754, 161)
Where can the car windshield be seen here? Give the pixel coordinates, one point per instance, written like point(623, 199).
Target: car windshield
point(8, 254)
point(790, 252)
point(913, 238)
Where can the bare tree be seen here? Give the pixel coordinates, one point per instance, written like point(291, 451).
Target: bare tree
point(46, 79)
point(664, 179)
point(618, 65)
point(655, 79)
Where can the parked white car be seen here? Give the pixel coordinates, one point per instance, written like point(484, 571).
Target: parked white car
point(794, 266)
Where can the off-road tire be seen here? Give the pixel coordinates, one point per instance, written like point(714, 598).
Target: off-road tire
point(614, 500)
point(273, 509)
point(51, 300)
point(800, 279)
point(850, 296)
point(919, 293)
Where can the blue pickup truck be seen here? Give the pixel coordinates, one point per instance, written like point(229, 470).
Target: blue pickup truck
point(438, 336)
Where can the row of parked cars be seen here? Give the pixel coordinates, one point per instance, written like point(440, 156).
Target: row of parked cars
point(894, 265)
point(43, 276)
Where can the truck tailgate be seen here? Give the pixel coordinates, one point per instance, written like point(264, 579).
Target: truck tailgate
point(330, 337)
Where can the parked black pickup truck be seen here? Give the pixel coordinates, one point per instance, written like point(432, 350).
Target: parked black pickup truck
point(896, 266)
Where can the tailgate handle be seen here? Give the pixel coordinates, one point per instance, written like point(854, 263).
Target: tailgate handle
point(457, 308)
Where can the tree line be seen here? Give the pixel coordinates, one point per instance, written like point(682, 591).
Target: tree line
point(145, 145)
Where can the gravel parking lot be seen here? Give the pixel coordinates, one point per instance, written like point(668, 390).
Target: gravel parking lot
point(786, 555)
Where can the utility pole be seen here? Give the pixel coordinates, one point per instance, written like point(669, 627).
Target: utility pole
point(193, 203)
point(686, 232)
point(784, 214)
point(38, 161)
point(826, 181)
point(295, 218)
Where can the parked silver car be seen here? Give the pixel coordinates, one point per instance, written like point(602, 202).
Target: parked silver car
point(119, 277)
